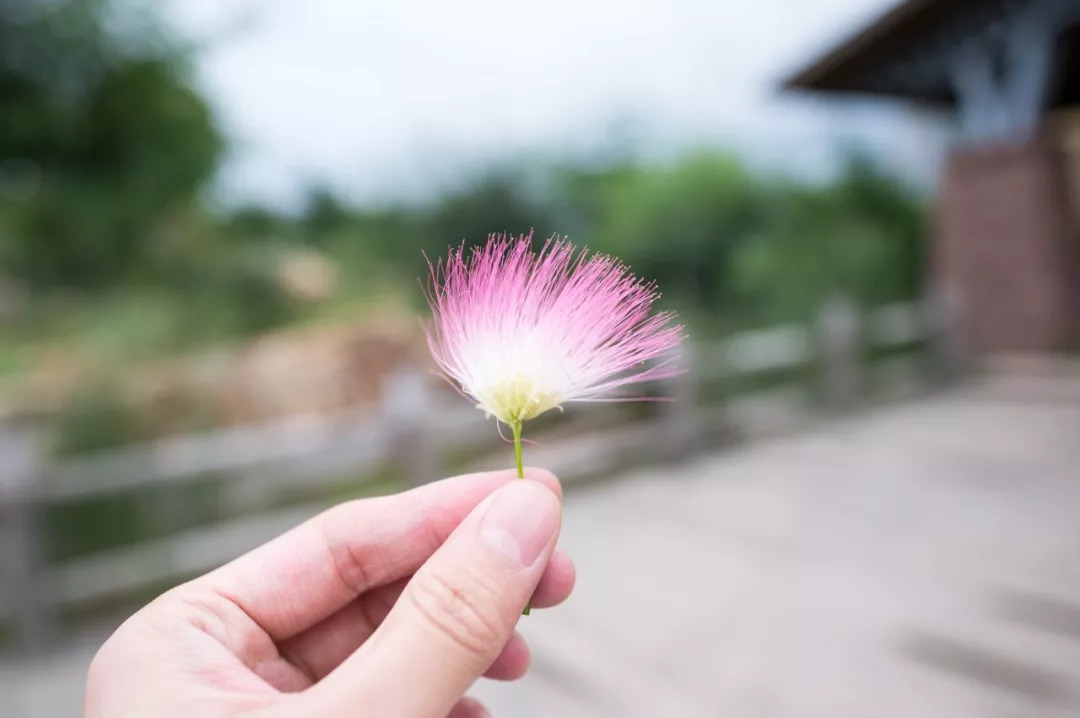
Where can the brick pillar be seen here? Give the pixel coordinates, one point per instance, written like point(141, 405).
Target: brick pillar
point(1007, 249)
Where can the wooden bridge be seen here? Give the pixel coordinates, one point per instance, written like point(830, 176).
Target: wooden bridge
point(904, 558)
point(916, 559)
point(181, 506)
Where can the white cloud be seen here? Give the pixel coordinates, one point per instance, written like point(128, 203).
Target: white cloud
point(379, 97)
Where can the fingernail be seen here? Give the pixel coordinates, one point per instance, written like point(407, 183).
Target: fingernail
point(520, 521)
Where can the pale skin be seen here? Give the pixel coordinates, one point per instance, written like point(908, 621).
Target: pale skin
point(390, 606)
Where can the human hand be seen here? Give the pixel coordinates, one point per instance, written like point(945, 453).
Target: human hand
point(389, 606)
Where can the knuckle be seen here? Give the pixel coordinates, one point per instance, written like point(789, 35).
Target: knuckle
point(348, 565)
point(459, 612)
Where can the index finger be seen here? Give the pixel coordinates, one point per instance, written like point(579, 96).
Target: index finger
point(311, 572)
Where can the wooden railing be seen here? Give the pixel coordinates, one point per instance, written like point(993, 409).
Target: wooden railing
point(319, 455)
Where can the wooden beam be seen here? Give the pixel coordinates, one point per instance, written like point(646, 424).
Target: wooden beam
point(908, 52)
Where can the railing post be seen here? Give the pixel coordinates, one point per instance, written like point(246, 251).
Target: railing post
point(945, 349)
point(20, 538)
point(407, 406)
point(838, 334)
point(682, 422)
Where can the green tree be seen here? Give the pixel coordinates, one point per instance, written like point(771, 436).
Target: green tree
point(324, 214)
point(861, 236)
point(679, 225)
point(114, 133)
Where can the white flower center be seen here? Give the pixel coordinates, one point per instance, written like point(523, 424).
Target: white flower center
point(515, 398)
point(518, 377)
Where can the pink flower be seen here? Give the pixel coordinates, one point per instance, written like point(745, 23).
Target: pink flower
point(522, 332)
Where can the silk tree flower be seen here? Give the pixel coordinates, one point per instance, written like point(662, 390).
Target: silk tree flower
point(523, 332)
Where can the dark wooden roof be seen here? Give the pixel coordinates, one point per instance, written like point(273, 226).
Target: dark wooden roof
point(843, 69)
point(1068, 90)
point(860, 64)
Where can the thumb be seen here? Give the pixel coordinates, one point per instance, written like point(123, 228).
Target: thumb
point(456, 613)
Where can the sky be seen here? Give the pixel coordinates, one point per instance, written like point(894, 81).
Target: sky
point(391, 99)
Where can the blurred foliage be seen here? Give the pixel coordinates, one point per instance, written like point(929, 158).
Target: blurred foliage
point(101, 140)
point(680, 225)
point(108, 254)
point(861, 237)
point(96, 418)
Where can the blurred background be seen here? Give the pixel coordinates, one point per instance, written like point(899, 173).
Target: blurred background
point(214, 216)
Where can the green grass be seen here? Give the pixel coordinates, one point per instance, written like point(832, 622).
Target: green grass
point(99, 333)
point(138, 324)
point(872, 355)
point(80, 528)
point(719, 390)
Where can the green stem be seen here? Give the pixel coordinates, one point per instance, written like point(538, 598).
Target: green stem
point(516, 428)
